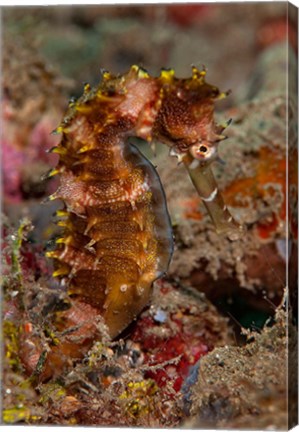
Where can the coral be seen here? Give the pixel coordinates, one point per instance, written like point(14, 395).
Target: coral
point(138, 397)
point(242, 386)
point(31, 107)
point(175, 332)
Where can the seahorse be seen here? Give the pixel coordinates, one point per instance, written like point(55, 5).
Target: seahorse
point(117, 237)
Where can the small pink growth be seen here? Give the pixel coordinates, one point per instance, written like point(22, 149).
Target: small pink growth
point(13, 160)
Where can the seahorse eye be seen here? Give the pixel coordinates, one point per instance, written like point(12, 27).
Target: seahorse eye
point(202, 151)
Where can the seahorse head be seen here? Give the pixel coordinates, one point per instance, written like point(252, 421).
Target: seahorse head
point(186, 117)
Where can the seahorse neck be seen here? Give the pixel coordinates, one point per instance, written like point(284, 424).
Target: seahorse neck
point(141, 106)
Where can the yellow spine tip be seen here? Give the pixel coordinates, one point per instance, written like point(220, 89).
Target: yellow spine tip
point(84, 149)
point(102, 97)
point(60, 240)
point(167, 74)
point(60, 272)
point(59, 129)
point(83, 108)
point(51, 254)
point(87, 88)
point(135, 68)
point(54, 172)
point(63, 223)
point(142, 73)
point(58, 150)
point(223, 95)
point(61, 213)
point(106, 75)
point(53, 197)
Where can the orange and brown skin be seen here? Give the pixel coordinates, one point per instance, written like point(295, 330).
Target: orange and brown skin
point(117, 234)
